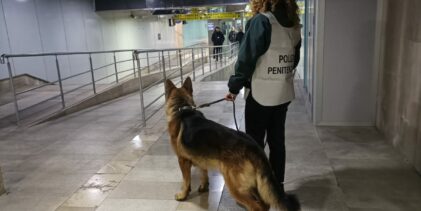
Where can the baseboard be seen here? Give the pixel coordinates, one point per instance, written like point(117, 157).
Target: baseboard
point(348, 124)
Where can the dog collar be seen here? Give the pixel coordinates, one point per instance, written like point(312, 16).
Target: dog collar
point(186, 108)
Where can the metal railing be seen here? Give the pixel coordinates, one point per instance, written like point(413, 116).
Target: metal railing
point(104, 68)
point(215, 59)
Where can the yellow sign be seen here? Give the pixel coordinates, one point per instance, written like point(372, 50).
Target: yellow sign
point(208, 16)
point(301, 7)
point(194, 10)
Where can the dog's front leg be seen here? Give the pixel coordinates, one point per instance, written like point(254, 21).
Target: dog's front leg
point(185, 166)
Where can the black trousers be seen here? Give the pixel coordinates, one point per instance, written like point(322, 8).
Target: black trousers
point(217, 52)
point(269, 121)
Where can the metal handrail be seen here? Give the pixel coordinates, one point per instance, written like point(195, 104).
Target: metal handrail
point(122, 61)
point(104, 78)
point(51, 83)
point(73, 76)
point(158, 82)
point(175, 49)
point(82, 52)
point(74, 89)
point(64, 53)
point(38, 87)
point(228, 55)
point(187, 53)
point(107, 65)
point(123, 71)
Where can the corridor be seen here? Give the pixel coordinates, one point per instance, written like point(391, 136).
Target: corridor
point(101, 159)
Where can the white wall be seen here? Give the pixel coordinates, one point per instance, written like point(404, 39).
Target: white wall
point(35, 26)
point(346, 83)
point(4, 41)
point(197, 32)
point(399, 107)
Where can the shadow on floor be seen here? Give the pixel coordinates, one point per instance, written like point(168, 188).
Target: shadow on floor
point(396, 188)
point(356, 189)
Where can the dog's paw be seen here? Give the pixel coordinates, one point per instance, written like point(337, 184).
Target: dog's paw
point(204, 188)
point(181, 196)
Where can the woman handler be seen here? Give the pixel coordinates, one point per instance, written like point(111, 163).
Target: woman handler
point(266, 62)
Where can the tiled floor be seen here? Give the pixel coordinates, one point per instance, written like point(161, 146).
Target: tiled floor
point(100, 159)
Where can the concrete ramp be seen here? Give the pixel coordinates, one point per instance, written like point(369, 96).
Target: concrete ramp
point(130, 86)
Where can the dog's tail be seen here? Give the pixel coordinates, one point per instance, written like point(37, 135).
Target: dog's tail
point(271, 193)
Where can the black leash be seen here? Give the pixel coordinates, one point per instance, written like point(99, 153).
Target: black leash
point(217, 101)
point(211, 103)
point(233, 112)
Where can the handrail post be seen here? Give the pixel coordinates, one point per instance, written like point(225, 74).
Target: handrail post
point(60, 83)
point(12, 87)
point(142, 103)
point(134, 65)
point(234, 50)
point(147, 62)
point(225, 57)
point(159, 61)
point(192, 63)
point(115, 68)
point(163, 67)
point(164, 74)
point(203, 64)
point(177, 56)
point(210, 60)
point(217, 60)
point(169, 60)
point(181, 65)
point(92, 73)
point(231, 52)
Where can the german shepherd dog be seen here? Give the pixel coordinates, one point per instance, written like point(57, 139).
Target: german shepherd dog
point(209, 145)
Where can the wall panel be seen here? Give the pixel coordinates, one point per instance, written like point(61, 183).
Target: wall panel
point(24, 35)
point(4, 42)
point(52, 33)
point(198, 32)
point(349, 97)
point(37, 26)
point(400, 89)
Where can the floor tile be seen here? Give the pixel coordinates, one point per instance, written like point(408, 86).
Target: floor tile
point(138, 204)
point(94, 191)
point(61, 208)
point(130, 189)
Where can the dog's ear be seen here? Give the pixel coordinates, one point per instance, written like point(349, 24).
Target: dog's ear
point(168, 87)
point(188, 85)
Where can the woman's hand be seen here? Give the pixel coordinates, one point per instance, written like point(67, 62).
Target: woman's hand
point(230, 97)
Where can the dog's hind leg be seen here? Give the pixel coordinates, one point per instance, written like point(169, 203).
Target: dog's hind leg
point(259, 200)
point(185, 166)
point(204, 181)
point(244, 197)
point(240, 184)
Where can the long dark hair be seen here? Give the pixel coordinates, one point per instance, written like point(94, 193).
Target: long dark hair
point(271, 5)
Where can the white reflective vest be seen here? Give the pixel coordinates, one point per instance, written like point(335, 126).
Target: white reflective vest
point(272, 82)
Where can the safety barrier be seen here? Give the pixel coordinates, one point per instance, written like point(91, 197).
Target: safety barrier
point(106, 68)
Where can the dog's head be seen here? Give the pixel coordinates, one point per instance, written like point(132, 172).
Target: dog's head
point(178, 97)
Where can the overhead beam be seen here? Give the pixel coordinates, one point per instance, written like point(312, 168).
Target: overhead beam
point(209, 16)
point(104, 5)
